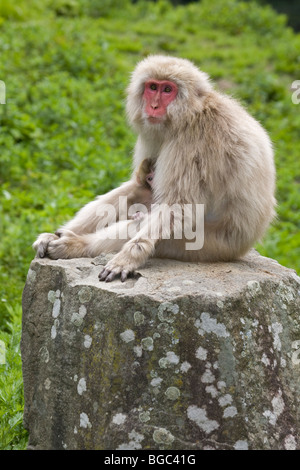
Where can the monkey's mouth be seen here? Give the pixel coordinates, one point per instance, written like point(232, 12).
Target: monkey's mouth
point(155, 119)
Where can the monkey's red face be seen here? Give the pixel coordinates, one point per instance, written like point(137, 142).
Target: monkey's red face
point(158, 94)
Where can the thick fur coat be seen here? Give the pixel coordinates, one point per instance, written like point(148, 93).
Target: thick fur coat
point(207, 150)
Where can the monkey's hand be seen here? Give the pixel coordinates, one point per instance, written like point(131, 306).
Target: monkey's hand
point(42, 242)
point(138, 216)
point(132, 256)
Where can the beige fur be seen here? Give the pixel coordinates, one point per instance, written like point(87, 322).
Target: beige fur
point(208, 150)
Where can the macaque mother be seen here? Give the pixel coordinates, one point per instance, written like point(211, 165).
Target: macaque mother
point(203, 148)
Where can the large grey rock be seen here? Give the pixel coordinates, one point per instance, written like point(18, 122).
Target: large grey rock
point(186, 356)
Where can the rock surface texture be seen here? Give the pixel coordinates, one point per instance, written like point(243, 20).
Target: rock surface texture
point(183, 356)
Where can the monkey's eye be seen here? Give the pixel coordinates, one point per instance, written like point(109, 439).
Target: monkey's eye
point(153, 86)
point(168, 89)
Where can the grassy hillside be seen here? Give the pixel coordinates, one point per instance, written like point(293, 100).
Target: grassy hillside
point(63, 133)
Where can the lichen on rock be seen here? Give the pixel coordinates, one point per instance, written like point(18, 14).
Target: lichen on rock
point(214, 364)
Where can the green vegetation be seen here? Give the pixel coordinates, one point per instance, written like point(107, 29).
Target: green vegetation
point(12, 434)
point(63, 132)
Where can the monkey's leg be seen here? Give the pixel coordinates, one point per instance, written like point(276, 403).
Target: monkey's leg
point(97, 214)
point(112, 238)
point(105, 210)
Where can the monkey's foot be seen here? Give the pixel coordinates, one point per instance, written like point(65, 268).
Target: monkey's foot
point(42, 242)
point(69, 245)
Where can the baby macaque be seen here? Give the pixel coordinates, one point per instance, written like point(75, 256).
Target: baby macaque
point(145, 173)
point(144, 177)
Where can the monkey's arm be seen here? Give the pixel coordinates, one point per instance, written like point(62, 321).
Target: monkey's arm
point(142, 246)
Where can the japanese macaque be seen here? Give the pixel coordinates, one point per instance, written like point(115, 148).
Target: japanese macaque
point(144, 178)
point(145, 174)
point(195, 146)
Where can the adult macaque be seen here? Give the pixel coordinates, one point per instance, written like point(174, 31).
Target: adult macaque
point(203, 148)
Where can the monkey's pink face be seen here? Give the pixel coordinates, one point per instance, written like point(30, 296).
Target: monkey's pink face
point(158, 94)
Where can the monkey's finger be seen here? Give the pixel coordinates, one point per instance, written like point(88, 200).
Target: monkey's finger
point(42, 250)
point(124, 275)
point(103, 274)
point(59, 232)
point(110, 276)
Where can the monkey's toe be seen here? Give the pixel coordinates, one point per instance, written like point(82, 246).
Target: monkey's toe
point(109, 275)
point(42, 250)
